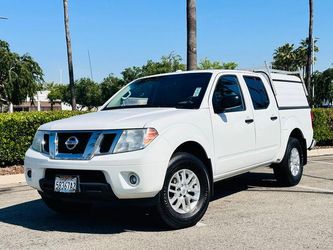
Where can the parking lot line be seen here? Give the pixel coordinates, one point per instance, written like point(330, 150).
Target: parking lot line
point(323, 162)
point(315, 189)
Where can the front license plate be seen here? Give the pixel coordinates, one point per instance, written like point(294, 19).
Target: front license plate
point(66, 184)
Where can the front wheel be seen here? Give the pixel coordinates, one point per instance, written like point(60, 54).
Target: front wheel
point(185, 195)
point(289, 171)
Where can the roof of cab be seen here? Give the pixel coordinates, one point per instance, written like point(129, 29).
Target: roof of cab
point(213, 71)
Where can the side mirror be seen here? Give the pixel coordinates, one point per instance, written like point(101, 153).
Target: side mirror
point(228, 102)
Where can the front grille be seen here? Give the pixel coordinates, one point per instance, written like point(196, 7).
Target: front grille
point(79, 145)
point(88, 176)
point(107, 143)
point(82, 138)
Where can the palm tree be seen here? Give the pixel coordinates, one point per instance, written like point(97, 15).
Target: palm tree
point(69, 56)
point(191, 34)
point(309, 60)
point(302, 54)
point(284, 58)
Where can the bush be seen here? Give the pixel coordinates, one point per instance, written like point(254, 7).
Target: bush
point(17, 131)
point(323, 126)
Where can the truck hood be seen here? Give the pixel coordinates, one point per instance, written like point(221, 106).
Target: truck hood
point(113, 119)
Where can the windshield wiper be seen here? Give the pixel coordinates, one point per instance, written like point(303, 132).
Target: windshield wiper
point(128, 107)
point(135, 106)
point(188, 104)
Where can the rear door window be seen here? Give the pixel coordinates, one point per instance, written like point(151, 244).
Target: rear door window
point(257, 91)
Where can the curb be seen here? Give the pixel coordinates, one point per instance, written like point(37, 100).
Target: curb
point(12, 179)
point(320, 152)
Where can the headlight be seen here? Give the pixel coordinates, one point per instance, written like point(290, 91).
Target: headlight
point(38, 142)
point(135, 139)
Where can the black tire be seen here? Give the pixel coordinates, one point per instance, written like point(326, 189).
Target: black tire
point(283, 171)
point(169, 216)
point(65, 207)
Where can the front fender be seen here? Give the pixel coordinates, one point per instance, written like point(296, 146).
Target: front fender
point(178, 134)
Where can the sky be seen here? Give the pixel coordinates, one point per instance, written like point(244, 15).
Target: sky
point(124, 33)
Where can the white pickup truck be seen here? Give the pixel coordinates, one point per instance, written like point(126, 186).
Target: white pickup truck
point(164, 140)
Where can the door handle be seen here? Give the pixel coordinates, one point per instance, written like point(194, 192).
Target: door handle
point(273, 118)
point(248, 121)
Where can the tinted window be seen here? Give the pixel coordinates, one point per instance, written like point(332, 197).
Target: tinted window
point(227, 86)
point(257, 91)
point(179, 91)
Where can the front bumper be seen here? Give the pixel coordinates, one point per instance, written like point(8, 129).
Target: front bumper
point(149, 165)
point(94, 193)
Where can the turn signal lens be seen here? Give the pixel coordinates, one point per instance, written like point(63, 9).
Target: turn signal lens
point(151, 134)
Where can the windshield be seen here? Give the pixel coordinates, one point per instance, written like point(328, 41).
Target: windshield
point(177, 91)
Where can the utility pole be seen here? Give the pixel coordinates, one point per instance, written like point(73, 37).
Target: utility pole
point(310, 60)
point(191, 34)
point(69, 56)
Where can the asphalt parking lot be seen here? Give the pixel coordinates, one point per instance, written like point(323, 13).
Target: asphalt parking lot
point(248, 212)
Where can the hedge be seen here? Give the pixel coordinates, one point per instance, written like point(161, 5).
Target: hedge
point(323, 126)
point(17, 131)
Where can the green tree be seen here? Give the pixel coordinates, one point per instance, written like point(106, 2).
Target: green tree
point(88, 93)
point(291, 58)
point(302, 55)
point(109, 86)
point(57, 92)
point(323, 87)
point(284, 58)
point(170, 63)
point(20, 76)
point(208, 64)
point(131, 73)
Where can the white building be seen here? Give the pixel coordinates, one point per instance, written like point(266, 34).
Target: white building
point(40, 103)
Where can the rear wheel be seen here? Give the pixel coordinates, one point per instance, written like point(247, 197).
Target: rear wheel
point(289, 171)
point(186, 191)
